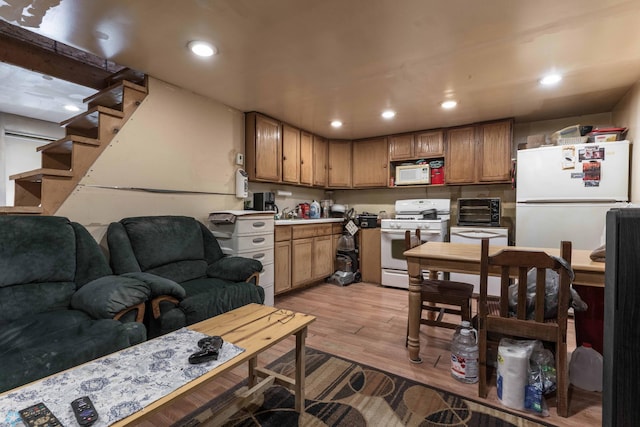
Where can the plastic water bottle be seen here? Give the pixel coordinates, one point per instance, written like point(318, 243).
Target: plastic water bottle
point(585, 368)
point(464, 356)
point(465, 324)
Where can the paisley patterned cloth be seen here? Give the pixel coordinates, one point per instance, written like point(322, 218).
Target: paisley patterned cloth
point(119, 384)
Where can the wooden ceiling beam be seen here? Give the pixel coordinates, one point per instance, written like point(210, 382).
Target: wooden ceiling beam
point(42, 55)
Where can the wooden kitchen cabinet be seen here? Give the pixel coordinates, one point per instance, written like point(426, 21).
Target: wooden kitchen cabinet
point(290, 154)
point(370, 166)
point(428, 144)
point(320, 161)
point(282, 258)
point(419, 145)
point(401, 147)
point(323, 258)
point(479, 154)
point(370, 263)
point(263, 148)
point(460, 160)
point(301, 261)
point(306, 158)
point(339, 161)
point(495, 151)
point(309, 251)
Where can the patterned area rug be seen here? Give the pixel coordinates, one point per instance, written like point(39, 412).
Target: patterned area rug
point(340, 392)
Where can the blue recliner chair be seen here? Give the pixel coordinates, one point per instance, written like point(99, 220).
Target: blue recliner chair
point(198, 280)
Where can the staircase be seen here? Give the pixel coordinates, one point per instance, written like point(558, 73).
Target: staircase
point(66, 161)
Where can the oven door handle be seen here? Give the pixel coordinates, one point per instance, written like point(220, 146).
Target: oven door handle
point(385, 230)
point(476, 234)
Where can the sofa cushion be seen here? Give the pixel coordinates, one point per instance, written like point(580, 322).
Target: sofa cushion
point(46, 343)
point(38, 249)
point(211, 297)
point(181, 271)
point(26, 300)
point(162, 240)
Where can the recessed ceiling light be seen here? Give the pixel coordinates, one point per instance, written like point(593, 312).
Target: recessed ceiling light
point(71, 107)
point(449, 104)
point(388, 114)
point(336, 123)
point(551, 79)
point(202, 48)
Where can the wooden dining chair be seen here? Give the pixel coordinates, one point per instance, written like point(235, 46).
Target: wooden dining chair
point(495, 320)
point(441, 296)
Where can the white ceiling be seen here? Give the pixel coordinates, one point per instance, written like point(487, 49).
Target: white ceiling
point(307, 62)
point(34, 95)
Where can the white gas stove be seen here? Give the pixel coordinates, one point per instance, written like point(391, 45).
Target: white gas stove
point(431, 216)
point(419, 213)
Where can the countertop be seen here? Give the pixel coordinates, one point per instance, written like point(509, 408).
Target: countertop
point(307, 221)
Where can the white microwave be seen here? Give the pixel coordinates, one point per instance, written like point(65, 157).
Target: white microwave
point(413, 175)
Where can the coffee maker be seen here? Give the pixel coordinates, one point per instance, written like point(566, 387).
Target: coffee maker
point(264, 201)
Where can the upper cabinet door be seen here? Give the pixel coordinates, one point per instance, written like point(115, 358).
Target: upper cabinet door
point(290, 154)
point(306, 158)
point(339, 164)
point(460, 166)
point(263, 146)
point(494, 151)
point(428, 144)
point(320, 163)
point(370, 163)
point(401, 147)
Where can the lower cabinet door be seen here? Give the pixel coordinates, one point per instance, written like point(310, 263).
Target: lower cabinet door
point(282, 269)
point(323, 257)
point(301, 260)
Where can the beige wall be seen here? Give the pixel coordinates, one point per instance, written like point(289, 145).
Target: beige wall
point(627, 114)
point(179, 146)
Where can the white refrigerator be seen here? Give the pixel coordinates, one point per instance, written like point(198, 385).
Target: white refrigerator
point(563, 192)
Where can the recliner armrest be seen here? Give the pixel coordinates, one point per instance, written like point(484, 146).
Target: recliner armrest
point(234, 268)
point(159, 285)
point(107, 296)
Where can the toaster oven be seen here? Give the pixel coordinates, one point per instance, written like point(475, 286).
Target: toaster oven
point(479, 212)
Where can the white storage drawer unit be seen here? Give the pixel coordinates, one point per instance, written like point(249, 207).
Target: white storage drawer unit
point(249, 236)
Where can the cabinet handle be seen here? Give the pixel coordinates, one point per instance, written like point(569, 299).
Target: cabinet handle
point(258, 224)
point(258, 240)
point(284, 157)
point(258, 256)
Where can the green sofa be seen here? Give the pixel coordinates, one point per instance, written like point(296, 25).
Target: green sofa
point(59, 300)
point(199, 280)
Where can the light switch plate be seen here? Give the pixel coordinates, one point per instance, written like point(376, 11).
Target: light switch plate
point(239, 159)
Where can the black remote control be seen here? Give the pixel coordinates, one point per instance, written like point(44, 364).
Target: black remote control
point(39, 415)
point(210, 347)
point(84, 411)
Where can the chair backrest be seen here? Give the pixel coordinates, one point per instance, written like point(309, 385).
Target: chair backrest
point(176, 247)
point(513, 262)
point(411, 241)
point(43, 261)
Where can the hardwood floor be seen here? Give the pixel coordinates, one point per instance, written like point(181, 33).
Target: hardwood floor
point(367, 323)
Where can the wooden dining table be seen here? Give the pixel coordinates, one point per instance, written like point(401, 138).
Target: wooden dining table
point(437, 257)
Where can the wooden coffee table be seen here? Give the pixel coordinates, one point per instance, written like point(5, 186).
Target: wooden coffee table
point(255, 328)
